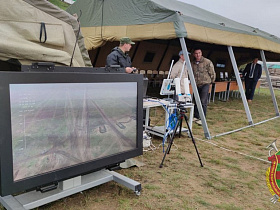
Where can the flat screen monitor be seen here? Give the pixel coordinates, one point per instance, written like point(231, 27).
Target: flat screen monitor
point(55, 126)
point(221, 64)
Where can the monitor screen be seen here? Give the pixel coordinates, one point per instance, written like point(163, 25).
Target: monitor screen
point(221, 64)
point(57, 126)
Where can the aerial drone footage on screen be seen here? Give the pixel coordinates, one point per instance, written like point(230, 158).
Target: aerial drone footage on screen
point(59, 125)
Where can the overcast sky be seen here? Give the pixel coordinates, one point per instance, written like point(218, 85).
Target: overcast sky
point(262, 14)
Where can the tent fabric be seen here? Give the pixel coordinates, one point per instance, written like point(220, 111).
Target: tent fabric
point(107, 20)
point(20, 26)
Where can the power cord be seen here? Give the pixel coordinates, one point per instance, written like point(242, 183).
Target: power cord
point(240, 153)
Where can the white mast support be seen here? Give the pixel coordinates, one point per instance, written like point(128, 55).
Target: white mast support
point(269, 83)
point(170, 69)
point(240, 86)
point(182, 71)
point(195, 91)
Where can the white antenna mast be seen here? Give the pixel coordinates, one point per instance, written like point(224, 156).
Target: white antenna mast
point(183, 68)
point(170, 69)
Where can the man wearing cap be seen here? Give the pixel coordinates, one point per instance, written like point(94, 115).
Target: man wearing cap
point(119, 55)
point(177, 69)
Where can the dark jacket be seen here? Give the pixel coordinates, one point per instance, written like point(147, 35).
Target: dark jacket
point(257, 72)
point(117, 57)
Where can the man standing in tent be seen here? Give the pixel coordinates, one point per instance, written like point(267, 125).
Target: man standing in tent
point(252, 73)
point(119, 55)
point(177, 69)
point(204, 74)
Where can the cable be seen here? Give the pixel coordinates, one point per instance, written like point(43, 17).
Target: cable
point(240, 153)
point(172, 120)
point(164, 107)
point(147, 142)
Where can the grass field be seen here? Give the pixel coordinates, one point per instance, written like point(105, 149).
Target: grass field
point(233, 176)
point(60, 4)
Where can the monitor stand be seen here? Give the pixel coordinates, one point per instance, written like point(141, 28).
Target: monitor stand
point(66, 188)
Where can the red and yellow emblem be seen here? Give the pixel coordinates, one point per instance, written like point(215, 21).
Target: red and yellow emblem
point(273, 177)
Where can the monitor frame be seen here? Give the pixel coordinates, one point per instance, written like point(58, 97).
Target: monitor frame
point(7, 185)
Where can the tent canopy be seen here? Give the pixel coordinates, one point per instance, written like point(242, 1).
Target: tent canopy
point(107, 20)
point(37, 31)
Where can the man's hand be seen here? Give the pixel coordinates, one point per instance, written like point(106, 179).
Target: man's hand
point(130, 70)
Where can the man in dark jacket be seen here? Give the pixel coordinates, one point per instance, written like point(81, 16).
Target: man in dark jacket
point(119, 55)
point(252, 73)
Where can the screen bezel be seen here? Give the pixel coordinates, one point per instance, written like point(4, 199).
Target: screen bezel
point(8, 186)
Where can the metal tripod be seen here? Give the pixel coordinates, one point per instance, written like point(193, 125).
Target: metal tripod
point(180, 121)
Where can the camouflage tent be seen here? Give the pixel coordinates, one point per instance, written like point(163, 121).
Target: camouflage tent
point(38, 31)
point(107, 20)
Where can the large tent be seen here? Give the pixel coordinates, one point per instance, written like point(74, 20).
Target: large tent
point(155, 25)
point(163, 26)
point(106, 20)
point(37, 31)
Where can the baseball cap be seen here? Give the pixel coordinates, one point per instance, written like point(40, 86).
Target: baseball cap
point(181, 53)
point(126, 40)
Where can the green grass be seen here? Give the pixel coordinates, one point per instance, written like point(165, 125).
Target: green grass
point(60, 4)
point(228, 180)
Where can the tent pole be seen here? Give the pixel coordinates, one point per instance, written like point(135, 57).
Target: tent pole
point(269, 83)
point(195, 91)
point(240, 86)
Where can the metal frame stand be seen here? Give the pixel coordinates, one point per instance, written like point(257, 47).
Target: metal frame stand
point(268, 79)
point(35, 199)
point(240, 86)
point(179, 122)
